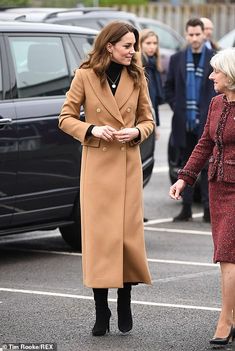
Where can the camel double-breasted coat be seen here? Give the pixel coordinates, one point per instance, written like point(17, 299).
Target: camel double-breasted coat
point(113, 248)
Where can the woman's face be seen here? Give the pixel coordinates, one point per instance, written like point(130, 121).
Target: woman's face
point(123, 51)
point(149, 45)
point(220, 80)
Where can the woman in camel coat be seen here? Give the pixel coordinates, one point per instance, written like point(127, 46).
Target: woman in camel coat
point(112, 89)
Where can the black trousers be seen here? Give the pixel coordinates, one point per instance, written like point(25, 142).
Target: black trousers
point(191, 142)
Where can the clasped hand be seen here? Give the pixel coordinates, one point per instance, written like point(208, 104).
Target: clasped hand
point(108, 133)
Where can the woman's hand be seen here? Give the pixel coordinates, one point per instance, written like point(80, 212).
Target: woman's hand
point(157, 133)
point(126, 134)
point(176, 189)
point(103, 132)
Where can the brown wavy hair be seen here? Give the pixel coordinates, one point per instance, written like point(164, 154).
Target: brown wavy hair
point(99, 58)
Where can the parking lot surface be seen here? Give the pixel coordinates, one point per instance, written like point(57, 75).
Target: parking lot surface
point(43, 300)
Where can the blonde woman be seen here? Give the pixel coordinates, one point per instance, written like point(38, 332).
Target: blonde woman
point(150, 56)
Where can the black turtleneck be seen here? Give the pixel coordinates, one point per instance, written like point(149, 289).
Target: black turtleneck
point(113, 73)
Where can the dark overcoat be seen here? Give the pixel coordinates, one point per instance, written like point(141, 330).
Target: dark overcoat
point(175, 95)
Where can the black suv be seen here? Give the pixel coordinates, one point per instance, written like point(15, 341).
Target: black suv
point(39, 164)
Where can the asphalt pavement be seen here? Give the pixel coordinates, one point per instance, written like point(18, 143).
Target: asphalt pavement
point(43, 301)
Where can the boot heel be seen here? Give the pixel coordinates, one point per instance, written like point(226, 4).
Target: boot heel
point(102, 324)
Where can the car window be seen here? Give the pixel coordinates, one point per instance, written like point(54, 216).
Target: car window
point(40, 65)
point(82, 22)
point(1, 92)
point(83, 44)
point(167, 39)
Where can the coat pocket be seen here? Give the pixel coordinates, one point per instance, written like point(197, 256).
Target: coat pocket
point(229, 171)
point(92, 142)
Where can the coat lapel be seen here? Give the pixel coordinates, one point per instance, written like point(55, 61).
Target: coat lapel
point(124, 89)
point(182, 62)
point(112, 103)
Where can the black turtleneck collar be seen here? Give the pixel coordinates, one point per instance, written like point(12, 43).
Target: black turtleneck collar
point(113, 73)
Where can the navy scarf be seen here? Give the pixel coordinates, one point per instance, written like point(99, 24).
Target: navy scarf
point(193, 88)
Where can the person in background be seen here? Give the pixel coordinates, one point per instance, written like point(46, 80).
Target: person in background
point(150, 57)
point(217, 145)
point(208, 30)
point(189, 92)
point(113, 90)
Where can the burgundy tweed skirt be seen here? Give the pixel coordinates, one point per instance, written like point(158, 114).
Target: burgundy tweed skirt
point(222, 208)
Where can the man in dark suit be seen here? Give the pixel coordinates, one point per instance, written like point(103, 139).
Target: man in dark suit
point(189, 92)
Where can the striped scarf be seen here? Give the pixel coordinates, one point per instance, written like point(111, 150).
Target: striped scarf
point(193, 87)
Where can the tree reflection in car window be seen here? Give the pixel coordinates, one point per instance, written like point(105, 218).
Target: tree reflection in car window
point(40, 65)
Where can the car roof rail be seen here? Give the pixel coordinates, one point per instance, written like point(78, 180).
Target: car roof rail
point(82, 10)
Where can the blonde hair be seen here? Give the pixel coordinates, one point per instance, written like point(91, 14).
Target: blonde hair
point(99, 58)
point(224, 61)
point(144, 34)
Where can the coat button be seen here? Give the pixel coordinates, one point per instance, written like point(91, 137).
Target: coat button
point(128, 109)
point(98, 109)
point(104, 148)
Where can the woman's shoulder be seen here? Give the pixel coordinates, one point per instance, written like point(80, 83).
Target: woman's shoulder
point(83, 72)
point(218, 99)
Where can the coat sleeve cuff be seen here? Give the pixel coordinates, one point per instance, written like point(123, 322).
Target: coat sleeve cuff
point(188, 176)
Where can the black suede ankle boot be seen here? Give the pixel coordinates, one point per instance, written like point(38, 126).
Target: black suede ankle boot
point(103, 312)
point(125, 322)
point(185, 214)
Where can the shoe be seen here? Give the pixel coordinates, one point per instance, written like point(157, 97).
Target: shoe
point(102, 323)
point(223, 341)
point(185, 214)
point(125, 322)
point(207, 216)
point(103, 312)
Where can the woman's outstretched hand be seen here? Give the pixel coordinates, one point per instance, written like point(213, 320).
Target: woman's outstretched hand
point(176, 189)
point(103, 132)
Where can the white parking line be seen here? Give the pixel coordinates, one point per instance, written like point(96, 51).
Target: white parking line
point(169, 219)
point(186, 263)
point(82, 297)
point(153, 260)
point(161, 169)
point(181, 231)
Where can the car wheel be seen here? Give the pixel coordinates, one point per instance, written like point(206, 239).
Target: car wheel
point(72, 233)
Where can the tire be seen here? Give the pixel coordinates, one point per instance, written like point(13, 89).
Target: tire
point(72, 233)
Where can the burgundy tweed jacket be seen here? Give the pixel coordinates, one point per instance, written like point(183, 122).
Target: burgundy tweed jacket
point(216, 144)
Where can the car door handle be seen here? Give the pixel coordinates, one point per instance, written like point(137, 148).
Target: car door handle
point(4, 121)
